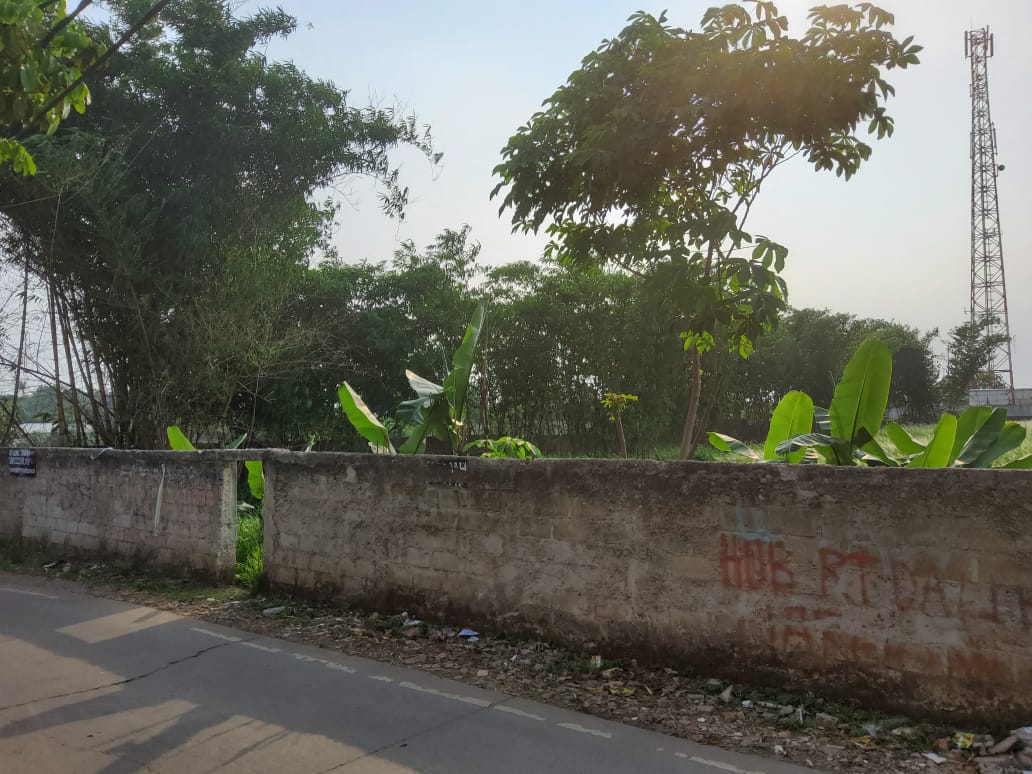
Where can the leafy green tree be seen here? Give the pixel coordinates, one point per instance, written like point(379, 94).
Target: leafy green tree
point(43, 52)
point(198, 156)
point(970, 347)
point(651, 155)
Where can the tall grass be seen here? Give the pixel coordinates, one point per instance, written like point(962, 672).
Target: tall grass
point(250, 565)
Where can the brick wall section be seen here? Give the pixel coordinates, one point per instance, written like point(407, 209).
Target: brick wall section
point(912, 589)
point(108, 503)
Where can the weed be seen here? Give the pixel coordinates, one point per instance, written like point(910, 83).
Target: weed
point(250, 564)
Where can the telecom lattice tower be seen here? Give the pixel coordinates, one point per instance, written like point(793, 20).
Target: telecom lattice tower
point(988, 286)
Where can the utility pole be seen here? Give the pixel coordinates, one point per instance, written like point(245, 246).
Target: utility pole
point(988, 286)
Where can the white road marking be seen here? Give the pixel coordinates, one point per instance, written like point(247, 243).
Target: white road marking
point(263, 648)
point(446, 695)
point(340, 667)
point(581, 729)
point(381, 678)
point(28, 593)
point(303, 657)
point(216, 635)
point(518, 712)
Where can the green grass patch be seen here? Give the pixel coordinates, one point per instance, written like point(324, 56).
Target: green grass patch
point(250, 562)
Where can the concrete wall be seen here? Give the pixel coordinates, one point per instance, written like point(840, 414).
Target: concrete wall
point(909, 588)
point(163, 507)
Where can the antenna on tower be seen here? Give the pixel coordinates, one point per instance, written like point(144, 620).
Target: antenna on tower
point(988, 285)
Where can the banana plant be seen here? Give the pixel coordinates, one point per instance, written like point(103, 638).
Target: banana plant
point(856, 412)
point(438, 410)
point(794, 415)
point(255, 474)
point(975, 439)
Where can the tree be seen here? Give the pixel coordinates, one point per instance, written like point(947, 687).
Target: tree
point(651, 155)
point(43, 52)
point(197, 157)
point(970, 346)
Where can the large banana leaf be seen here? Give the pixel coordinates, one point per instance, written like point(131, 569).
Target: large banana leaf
point(968, 424)
point(837, 451)
point(255, 478)
point(364, 420)
point(937, 454)
point(1024, 463)
point(793, 416)
point(986, 433)
point(456, 385)
point(726, 443)
point(822, 419)
point(903, 440)
point(177, 440)
point(425, 417)
point(1010, 437)
point(862, 395)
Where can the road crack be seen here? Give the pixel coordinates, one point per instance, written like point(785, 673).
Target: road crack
point(128, 680)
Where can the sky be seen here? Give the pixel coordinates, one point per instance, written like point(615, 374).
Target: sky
point(893, 242)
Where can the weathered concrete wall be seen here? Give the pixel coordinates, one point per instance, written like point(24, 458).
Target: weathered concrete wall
point(910, 588)
point(165, 507)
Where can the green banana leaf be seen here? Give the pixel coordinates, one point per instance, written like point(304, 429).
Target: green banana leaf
point(986, 432)
point(726, 443)
point(822, 419)
point(255, 474)
point(456, 385)
point(364, 420)
point(939, 450)
point(177, 440)
point(793, 416)
point(1024, 463)
point(967, 425)
point(862, 395)
point(255, 478)
point(835, 450)
point(902, 440)
point(1011, 436)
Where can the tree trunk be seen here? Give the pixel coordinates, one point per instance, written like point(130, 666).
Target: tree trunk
point(688, 442)
point(620, 437)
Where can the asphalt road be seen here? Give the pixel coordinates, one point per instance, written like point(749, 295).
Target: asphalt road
point(91, 686)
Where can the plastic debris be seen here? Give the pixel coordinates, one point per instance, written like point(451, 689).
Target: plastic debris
point(412, 622)
point(466, 633)
point(596, 662)
point(872, 729)
point(271, 612)
point(747, 703)
point(963, 741)
point(934, 758)
point(1024, 734)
